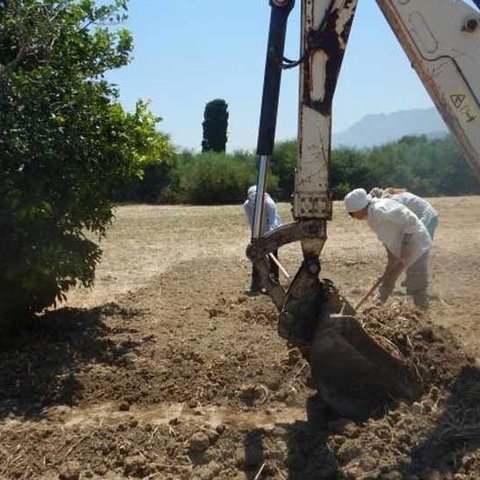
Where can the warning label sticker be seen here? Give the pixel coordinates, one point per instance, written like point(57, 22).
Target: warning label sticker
point(463, 103)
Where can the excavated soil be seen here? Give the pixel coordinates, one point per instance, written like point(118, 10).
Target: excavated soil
point(186, 378)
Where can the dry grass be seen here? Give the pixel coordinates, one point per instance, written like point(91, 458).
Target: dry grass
point(145, 241)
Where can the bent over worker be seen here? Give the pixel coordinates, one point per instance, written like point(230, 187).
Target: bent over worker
point(270, 221)
point(405, 238)
point(419, 206)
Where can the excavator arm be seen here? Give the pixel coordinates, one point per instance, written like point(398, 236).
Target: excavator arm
point(325, 29)
point(442, 40)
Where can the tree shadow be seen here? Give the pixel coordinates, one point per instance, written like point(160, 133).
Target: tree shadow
point(39, 365)
point(309, 456)
point(457, 432)
point(254, 454)
point(306, 455)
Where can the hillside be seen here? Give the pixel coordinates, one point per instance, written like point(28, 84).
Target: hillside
point(379, 129)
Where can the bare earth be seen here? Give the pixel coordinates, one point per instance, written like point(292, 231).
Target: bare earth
point(166, 370)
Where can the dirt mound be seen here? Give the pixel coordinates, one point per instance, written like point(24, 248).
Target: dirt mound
point(430, 351)
point(162, 385)
point(433, 438)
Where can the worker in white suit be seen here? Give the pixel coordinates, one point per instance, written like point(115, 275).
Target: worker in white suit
point(271, 221)
point(418, 205)
point(405, 237)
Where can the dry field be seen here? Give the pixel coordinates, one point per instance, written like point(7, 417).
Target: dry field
point(166, 370)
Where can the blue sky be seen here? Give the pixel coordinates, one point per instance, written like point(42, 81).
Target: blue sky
point(188, 52)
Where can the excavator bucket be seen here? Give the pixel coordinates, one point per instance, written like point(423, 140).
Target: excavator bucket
point(353, 374)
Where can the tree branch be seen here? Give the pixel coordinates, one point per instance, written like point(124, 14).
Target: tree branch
point(21, 54)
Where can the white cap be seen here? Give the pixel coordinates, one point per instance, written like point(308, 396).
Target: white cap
point(252, 193)
point(357, 200)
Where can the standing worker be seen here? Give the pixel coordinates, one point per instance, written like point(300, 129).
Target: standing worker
point(405, 238)
point(270, 221)
point(420, 207)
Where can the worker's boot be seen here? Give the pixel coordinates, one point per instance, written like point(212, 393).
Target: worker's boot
point(254, 289)
point(255, 284)
point(420, 299)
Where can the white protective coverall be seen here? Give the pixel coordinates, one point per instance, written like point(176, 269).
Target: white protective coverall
point(270, 221)
point(405, 238)
point(420, 207)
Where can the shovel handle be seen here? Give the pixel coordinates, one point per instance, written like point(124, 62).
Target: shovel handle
point(279, 265)
point(379, 280)
point(367, 295)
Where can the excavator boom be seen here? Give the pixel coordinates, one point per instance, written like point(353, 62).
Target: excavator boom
point(442, 40)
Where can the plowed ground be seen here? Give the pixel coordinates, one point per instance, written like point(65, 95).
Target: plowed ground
point(167, 370)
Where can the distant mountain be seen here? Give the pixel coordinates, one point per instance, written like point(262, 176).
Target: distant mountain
point(373, 130)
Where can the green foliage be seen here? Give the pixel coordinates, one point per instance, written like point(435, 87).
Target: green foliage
point(426, 167)
point(347, 169)
point(283, 164)
point(215, 178)
point(151, 184)
point(215, 126)
point(65, 144)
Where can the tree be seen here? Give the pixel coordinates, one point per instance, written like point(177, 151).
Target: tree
point(65, 144)
point(153, 185)
point(217, 178)
point(348, 170)
point(284, 160)
point(215, 125)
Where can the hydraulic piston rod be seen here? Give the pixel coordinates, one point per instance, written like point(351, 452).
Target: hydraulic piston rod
point(271, 92)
